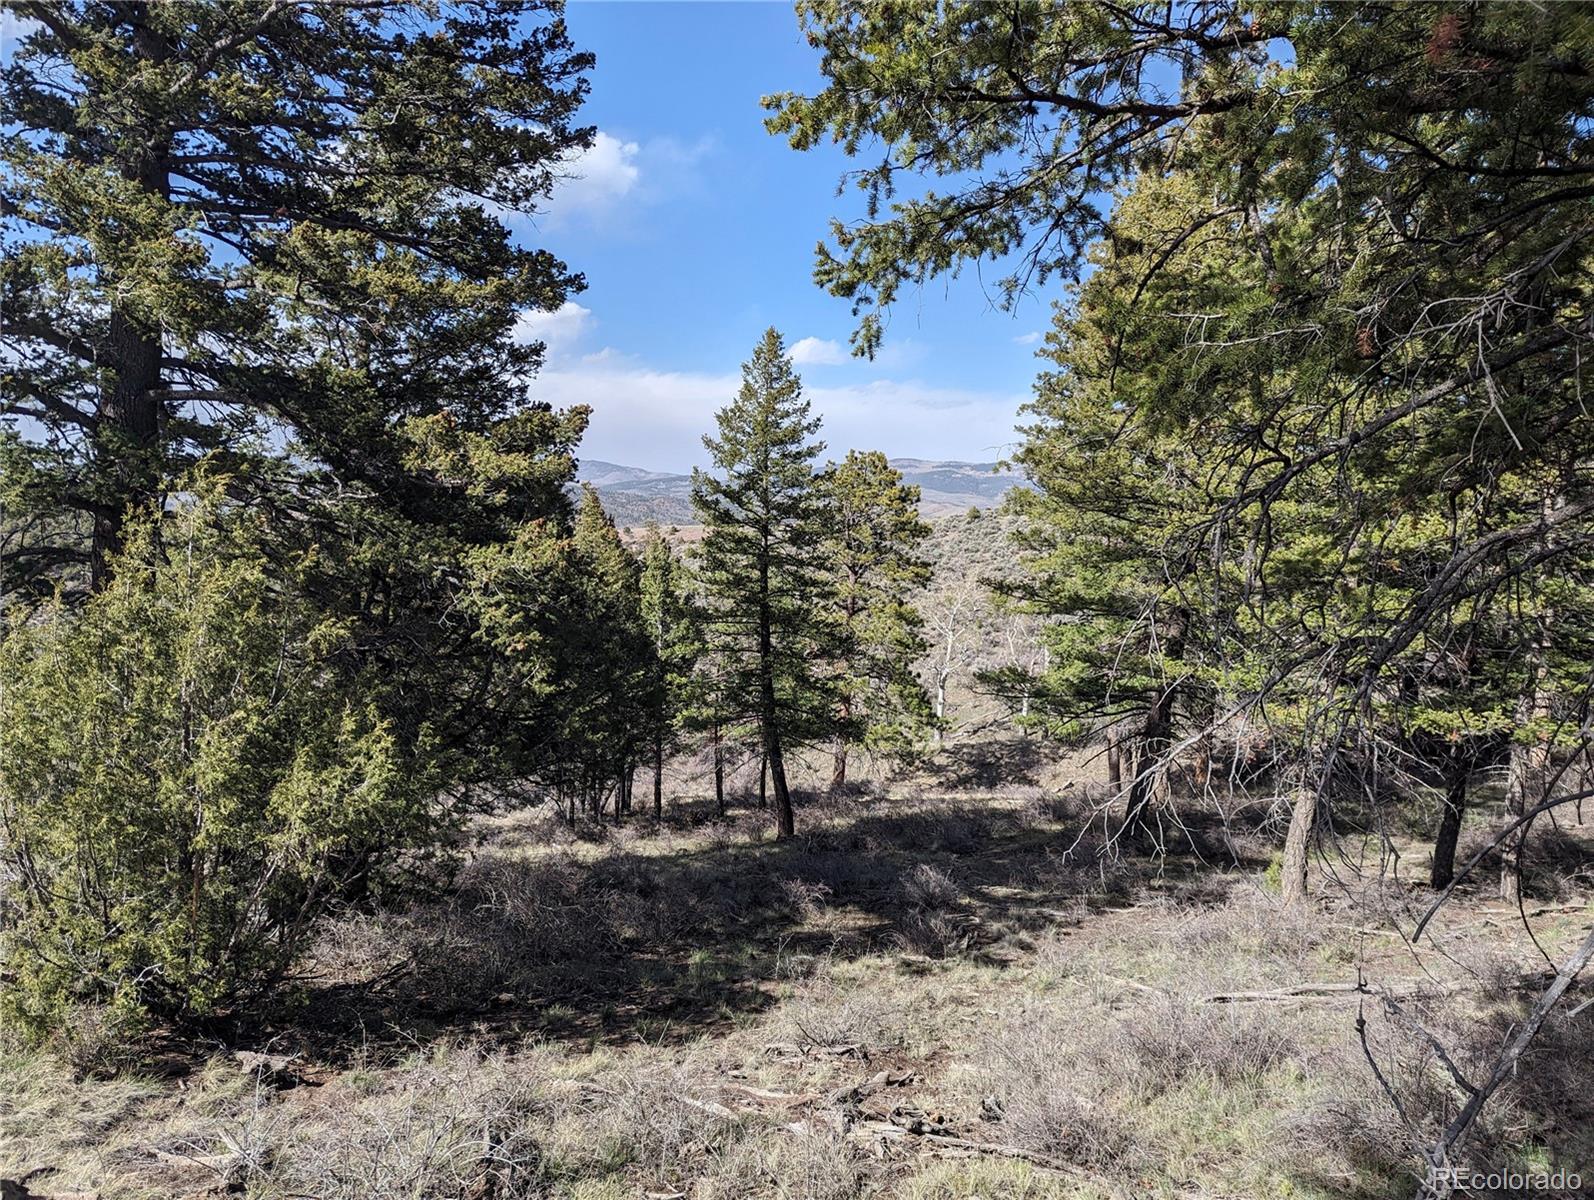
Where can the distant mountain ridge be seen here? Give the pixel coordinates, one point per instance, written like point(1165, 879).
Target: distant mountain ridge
point(634, 496)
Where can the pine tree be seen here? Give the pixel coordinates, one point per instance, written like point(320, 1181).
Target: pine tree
point(872, 541)
point(671, 628)
point(762, 566)
point(227, 221)
point(1278, 341)
point(614, 668)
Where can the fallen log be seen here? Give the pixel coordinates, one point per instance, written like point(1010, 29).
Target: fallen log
point(763, 1095)
point(1286, 993)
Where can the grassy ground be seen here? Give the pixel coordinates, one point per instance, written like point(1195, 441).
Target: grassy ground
point(932, 1000)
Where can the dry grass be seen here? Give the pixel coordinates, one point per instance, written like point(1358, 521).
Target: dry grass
point(825, 1014)
point(700, 1011)
point(452, 1124)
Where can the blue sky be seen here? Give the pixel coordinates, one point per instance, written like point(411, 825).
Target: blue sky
point(696, 230)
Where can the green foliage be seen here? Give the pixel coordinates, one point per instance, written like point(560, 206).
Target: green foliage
point(266, 244)
point(563, 674)
point(1308, 450)
point(191, 773)
point(871, 549)
point(761, 563)
point(1030, 111)
point(231, 220)
point(616, 660)
point(670, 617)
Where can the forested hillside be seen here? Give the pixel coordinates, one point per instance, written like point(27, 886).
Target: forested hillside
point(397, 803)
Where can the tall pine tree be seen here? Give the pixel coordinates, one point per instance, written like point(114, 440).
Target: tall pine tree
point(615, 670)
point(226, 221)
point(762, 563)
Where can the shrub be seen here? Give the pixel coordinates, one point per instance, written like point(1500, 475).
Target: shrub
point(1258, 928)
point(650, 1118)
point(457, 1124)
point(187, 779)
point(1035, 1075)
point(827, 1014)
point(927, 887)
point(1165, 1041)
point(803, 900)
point(95, 1041)
point(932, 925)
point(809, 1161)
point(507, 918)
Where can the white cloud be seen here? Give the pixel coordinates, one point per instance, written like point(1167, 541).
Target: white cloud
point(641, 417)
point(912, 419)
point(1028, 339)
point(896, 354)
point(605, 184)
point(645, 417)
point(817, 352)
point(559, 329)
point(675, 160)
point(595, 180)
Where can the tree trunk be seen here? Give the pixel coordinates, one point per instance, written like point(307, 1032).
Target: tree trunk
point(1455, 807)
point(763, 779)
point(658, 779)
point(1201, 768)
point(1156, 736)
point(719, 773)
point(1297, 846)
point(1528, 765)
point(1146, 783)
point(838, 765)
point(1115, 769)
point(127, 432)
point(785, 825)
point(1146, 774)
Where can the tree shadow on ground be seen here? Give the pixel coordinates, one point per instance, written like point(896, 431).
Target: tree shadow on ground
point(672, 943)
point(989, 764)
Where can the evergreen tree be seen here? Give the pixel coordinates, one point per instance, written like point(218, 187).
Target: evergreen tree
point(669, 620)
point(613, 667)
point(261, 244)
point(1295, 344)
point(225, 221)
point(192, 771)
point(231, 225)
point(762, 566)
point(872, 541)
